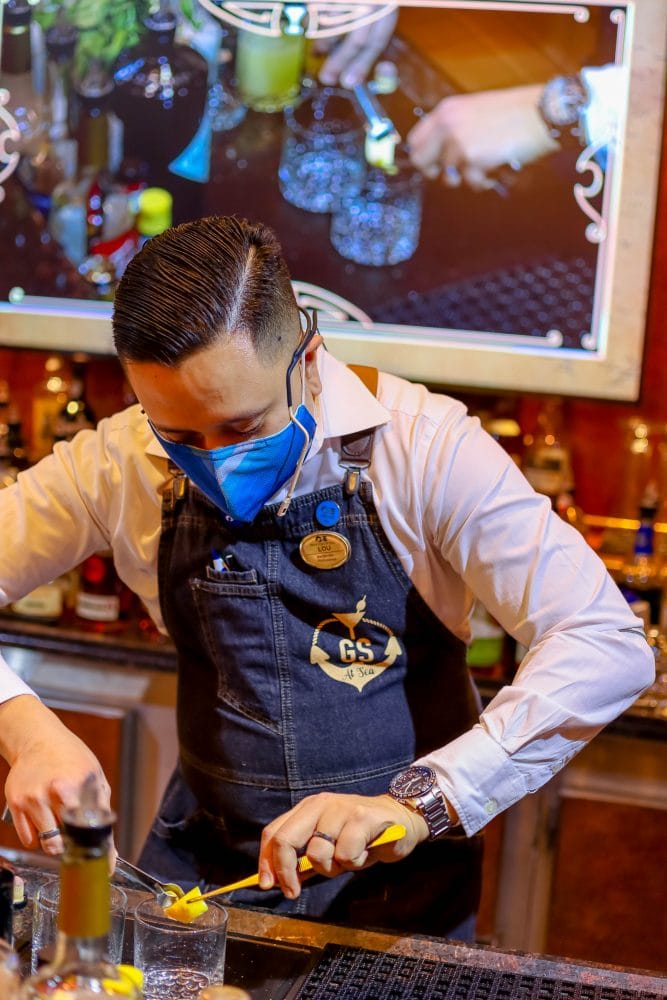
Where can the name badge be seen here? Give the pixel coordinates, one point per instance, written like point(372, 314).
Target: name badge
point(325, 549)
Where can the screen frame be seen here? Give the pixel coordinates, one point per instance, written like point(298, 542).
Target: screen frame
point(467, 359)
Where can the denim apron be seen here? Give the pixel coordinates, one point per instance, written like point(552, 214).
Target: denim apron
point(294, 680)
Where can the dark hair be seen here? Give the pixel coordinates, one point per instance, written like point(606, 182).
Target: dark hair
point(200, 281)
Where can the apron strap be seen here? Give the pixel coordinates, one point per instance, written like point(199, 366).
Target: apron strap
point(357, 449)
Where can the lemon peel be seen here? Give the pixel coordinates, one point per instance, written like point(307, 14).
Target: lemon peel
point(130, 981)
point(183, 910)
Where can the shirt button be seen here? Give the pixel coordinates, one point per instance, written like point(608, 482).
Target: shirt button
point(491, 806)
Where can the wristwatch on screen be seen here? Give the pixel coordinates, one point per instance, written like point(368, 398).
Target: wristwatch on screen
point(416, 787)
point(561, 105)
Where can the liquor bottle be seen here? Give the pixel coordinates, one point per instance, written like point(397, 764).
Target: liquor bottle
point(640, 577)
point(18, 454)
point(80, 967)
point(547, 462)
point(103, 602)
point(55, 162)
point(25, 103)
point(49, 396)
point(160, 96)
point(9, 964)
point(60, 41)
point(90, 115)
point(76, 414)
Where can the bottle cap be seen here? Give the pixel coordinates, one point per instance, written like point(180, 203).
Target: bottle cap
point(60, 40)
point(17, 13)
point(385, 77)
point(154, 216)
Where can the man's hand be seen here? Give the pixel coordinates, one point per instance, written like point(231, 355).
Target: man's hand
point(350, 823)
point(48, 765)
point(468, 136)
point(352, 59)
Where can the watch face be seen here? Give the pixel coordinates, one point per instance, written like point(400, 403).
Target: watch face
point(412, 782)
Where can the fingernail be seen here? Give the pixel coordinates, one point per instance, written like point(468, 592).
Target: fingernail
point(265, 880)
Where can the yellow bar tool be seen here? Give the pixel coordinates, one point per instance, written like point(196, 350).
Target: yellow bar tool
point(394, 832)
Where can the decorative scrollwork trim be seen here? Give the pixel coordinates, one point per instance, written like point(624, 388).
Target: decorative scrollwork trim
point(324, 19)
point(8, 132)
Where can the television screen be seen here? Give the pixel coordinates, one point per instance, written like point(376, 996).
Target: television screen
point(478, 212)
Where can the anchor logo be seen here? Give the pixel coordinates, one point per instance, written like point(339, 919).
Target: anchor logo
point(357, 659)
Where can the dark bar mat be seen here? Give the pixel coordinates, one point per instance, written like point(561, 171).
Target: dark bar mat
point(356, 974)
point(526, 299)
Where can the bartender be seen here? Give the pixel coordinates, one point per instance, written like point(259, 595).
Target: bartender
point(312, 539)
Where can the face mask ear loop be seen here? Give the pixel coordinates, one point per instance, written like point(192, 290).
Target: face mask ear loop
point(284, 507)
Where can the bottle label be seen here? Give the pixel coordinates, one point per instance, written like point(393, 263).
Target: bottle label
point(44, 602)
point(98, 607)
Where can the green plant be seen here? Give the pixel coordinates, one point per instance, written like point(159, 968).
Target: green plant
point(105, 27)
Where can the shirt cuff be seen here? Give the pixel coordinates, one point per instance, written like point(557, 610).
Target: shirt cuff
point(476, 775)
point(11, 684)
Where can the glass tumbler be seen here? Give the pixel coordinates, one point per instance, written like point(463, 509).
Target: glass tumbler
point(322, 158)
point(45, 921)
point(269, 69)
point(380, 224)
point(178, 960)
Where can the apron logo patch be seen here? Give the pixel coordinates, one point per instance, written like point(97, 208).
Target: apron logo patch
point(350, 656)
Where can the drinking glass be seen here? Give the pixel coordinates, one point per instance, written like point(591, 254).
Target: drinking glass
point(45, 921)
point(322, 158)
point(178, 960)
point(268, 69)
point(380, 224)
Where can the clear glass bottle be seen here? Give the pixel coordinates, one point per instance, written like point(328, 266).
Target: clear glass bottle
point(80, 969)
point(9, 963)
point(56, 161)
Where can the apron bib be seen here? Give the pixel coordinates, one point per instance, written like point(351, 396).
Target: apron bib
point(295, 679)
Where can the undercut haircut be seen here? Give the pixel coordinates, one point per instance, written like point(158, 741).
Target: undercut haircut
point(200, 282)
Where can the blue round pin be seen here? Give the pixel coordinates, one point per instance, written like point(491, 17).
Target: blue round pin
point(327, 513)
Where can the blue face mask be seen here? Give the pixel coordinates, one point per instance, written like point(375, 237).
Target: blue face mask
point(241, 478)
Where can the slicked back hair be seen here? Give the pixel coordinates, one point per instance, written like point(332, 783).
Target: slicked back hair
point(202, 281)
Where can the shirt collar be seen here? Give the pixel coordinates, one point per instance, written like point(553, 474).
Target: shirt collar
point(345, 406)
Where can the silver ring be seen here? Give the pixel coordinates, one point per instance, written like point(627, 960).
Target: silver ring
point(324, 836)
point(49, 834)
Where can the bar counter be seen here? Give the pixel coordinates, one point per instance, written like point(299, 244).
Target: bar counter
point(287, 958)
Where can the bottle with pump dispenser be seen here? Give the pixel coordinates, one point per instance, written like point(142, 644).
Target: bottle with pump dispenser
point(80, 968)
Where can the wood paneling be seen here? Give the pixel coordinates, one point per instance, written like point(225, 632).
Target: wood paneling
point(610, 885)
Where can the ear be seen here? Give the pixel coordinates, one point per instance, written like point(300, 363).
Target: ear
point(313, 380)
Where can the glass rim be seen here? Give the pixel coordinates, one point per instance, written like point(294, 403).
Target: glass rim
point(148, 913)
point(356, 124)
point(51, 902)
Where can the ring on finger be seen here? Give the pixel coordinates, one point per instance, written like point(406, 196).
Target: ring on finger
point(49, 834)
point(324, 836)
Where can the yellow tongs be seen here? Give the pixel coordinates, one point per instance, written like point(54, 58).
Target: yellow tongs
point(393, 833)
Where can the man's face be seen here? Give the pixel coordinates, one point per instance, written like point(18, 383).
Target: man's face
point(223, 394)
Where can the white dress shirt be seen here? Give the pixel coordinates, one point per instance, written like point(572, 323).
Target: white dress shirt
point(462, 520)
